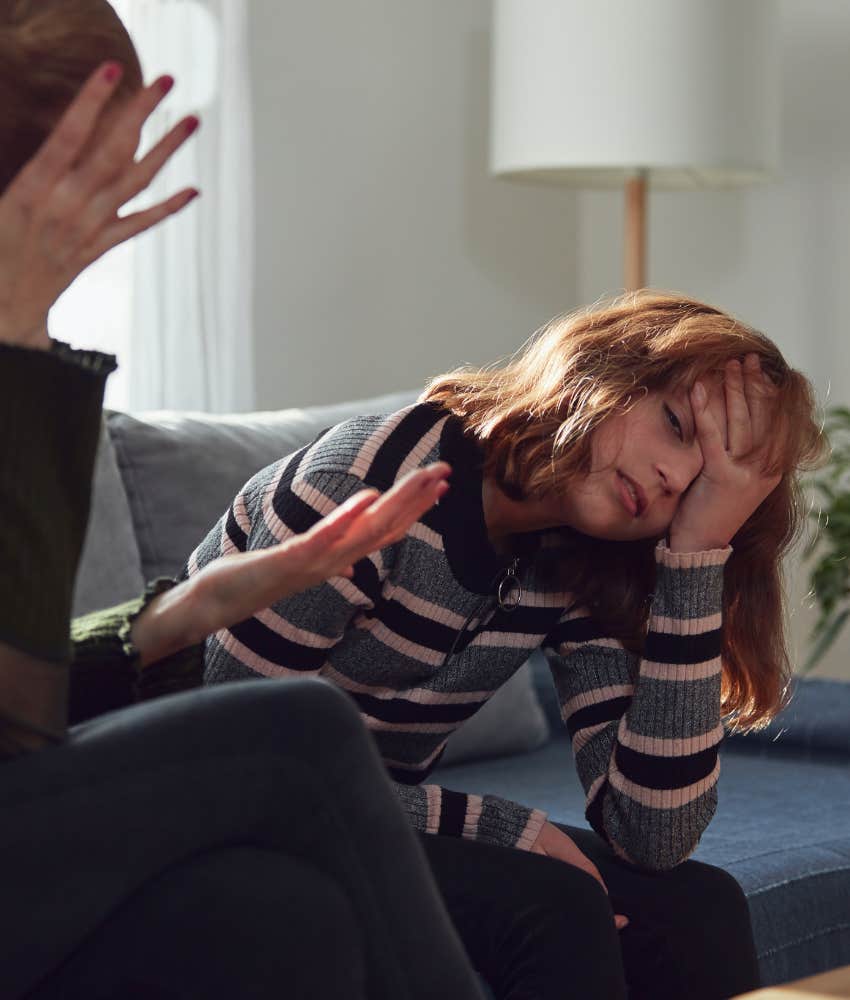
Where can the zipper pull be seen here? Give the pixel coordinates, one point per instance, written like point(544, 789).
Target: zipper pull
point(509, 590)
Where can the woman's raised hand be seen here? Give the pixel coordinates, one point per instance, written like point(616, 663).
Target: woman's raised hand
point(60, 212)
point(737, 424)
point(236, 586)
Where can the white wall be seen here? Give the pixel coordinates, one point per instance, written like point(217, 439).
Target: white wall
point(386, 254)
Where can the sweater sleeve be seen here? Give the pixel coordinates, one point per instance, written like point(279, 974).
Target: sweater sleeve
point(487, 818)
point(50, 406)
point(296, 634)
point(105, 671)
point(646, 730)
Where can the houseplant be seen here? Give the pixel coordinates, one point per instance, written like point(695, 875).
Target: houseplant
point(830, 545)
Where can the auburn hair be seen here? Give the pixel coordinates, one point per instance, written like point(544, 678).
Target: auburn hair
point(535, 416)
point(48, 49)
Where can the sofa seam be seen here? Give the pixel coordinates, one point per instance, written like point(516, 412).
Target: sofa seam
point(803, 940)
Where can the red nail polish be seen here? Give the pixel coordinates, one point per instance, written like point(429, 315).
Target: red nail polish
point(191, 123)
point(165, 83)
point(112, 71)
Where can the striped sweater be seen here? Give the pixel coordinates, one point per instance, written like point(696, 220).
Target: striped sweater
point(420, 642)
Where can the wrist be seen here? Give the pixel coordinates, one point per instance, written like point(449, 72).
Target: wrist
point(164, 627)
point(34, 339)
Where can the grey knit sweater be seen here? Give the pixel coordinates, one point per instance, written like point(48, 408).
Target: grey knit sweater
point(418, 639)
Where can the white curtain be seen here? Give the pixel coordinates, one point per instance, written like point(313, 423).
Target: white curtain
point(190, 338)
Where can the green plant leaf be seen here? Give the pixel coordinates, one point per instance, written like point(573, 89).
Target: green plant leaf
point(825, 640)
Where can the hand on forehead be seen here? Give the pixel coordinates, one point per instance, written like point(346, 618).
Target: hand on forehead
point(741, 399)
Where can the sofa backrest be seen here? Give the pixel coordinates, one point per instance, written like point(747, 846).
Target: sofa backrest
point(163, 478)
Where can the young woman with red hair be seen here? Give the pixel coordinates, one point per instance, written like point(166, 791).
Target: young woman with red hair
point(623, 492)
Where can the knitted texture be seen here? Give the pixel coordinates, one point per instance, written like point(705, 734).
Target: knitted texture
point(106, 673)
point(50, 405)
point(645, 731)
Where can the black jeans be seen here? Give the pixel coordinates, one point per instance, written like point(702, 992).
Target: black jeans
point(540, 929)
point(243, 841)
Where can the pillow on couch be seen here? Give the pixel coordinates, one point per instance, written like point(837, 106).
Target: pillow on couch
point(110, 569)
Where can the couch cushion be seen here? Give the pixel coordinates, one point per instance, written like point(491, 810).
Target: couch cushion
point(816, 722)
point(110, 568)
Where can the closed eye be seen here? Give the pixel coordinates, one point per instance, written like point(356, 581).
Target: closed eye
point(674, 421)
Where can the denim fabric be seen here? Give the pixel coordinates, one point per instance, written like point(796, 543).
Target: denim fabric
point(283, 767)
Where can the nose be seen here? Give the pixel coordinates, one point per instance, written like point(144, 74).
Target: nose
point(677, 474)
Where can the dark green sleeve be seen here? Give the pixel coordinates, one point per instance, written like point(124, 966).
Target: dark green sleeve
point(50, 407)
point(105, 671)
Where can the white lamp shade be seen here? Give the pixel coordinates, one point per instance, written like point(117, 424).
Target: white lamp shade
point(590, 91)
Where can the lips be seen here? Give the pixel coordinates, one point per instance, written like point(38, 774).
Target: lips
point(635, 504)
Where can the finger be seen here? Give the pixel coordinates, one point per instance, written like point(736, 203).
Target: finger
point(141, 174)
point(127, 226)
point(621, 921)
point(394, 523)
point(69, 137)
point(760, 398)
point(412, 492)
point(709, 435)
point(739, 437)
point(112, 156)
point(333, 526)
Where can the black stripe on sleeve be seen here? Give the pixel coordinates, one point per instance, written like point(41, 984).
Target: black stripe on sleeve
point(367, 581)
point(604, 711)
point(452, 813)
point(665, 773)
point(276, 648)
point(662, 647)
point(234, 532)
point(401, 441)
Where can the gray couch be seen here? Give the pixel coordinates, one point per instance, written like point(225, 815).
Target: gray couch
point(782, 828)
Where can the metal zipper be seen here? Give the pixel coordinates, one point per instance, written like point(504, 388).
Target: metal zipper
point(504, 583)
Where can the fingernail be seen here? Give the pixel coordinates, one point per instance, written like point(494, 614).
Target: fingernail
point(112, 71)
point(193, 194)
point(165, 83)
point(191, 123)
point(699, 393)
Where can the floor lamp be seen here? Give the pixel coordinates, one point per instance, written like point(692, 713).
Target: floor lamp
point(671, 94)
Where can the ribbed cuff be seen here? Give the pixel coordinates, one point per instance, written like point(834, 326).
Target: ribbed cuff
point(688, 584)
point(508, 824)
point(691, 560)
point(106, 673)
